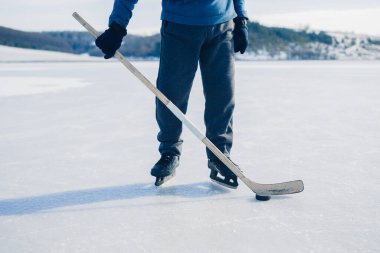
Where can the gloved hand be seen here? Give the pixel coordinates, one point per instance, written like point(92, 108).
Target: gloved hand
point(240, 34)
point(111, 39)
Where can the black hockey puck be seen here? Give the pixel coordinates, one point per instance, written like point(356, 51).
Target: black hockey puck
point(262, 198)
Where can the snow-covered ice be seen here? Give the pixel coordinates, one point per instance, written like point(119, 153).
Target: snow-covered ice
point(74, 163)
point(13, 54)
point(24, 85)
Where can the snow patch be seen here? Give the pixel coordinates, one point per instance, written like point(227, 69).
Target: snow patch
point(28, 85)
point(13, 54)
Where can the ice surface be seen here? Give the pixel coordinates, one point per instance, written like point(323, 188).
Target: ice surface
point(74, 164)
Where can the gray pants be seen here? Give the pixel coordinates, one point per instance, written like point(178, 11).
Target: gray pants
point(182, 47)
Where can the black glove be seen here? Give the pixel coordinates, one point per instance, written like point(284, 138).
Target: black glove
point(240, 34)
point(111, 39)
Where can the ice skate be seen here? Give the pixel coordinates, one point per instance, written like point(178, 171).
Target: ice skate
point(165, 168)
point(227, 179)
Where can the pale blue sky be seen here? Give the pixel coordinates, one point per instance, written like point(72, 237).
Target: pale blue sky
point(358, 16)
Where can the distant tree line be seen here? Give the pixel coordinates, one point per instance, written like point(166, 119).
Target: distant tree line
point(34, 40)
point(273, 40)
point(295, 43)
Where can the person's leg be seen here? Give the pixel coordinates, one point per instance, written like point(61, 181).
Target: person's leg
point(180, 47)
point(217, 68)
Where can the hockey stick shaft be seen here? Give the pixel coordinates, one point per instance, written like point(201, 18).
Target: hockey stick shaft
point(283, 188)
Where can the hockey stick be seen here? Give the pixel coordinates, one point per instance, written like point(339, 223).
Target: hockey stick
point(262, 190)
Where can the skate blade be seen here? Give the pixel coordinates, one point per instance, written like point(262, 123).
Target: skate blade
point(223, 184)
point(161, 180)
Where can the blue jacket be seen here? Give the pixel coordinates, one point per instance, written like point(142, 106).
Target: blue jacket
point(189, 12)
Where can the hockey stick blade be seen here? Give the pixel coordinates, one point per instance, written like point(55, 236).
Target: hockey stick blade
point(274, 189)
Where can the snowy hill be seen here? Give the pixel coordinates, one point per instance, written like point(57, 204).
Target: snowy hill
point(343, 46)
point(348, 46)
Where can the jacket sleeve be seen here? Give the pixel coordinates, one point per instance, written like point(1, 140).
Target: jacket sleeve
point(240, 8)
point(122, 12)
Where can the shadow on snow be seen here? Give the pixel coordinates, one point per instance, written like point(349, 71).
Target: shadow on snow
point(34, 204)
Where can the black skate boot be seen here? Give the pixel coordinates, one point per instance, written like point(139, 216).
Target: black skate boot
point(164, 169)
point(229, 180)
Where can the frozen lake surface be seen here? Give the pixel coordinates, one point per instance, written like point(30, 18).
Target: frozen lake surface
point(78, 139)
